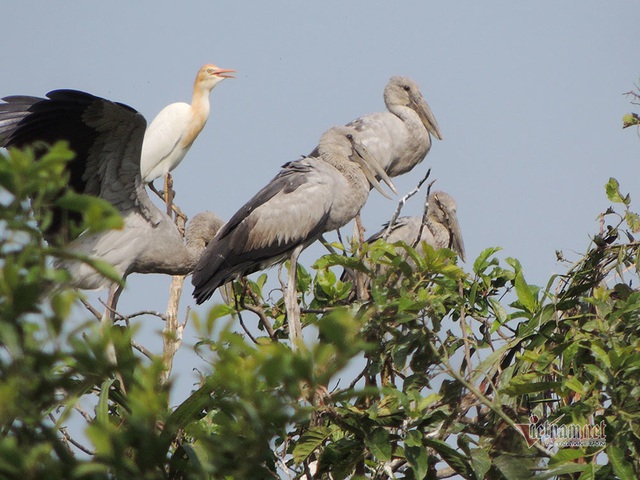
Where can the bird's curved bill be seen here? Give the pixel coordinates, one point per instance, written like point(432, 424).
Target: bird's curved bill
point(427, 117)
point(224, 73)
point(371, 168)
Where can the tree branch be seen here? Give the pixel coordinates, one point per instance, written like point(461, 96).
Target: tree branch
point(403, 200)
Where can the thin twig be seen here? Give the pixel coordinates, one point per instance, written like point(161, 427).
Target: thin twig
point(78, 445)
point(143, 350)
point(173, 329)
point(154, 313)
point(425, 212)
point(91, 309)
point(246, 330)
point(259, 311)
point(362, 292)
point(317, 311)
point(401, 203)
point(84, 413)
point(465, 338)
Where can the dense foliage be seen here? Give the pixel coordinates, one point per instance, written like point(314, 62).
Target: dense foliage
point(431, 371)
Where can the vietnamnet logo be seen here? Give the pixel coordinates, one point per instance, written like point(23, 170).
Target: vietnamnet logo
point(551, 434)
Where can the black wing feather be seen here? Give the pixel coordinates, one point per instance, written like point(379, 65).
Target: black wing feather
point(61, 116)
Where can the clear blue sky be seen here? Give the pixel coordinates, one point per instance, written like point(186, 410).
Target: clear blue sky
point(528, 97)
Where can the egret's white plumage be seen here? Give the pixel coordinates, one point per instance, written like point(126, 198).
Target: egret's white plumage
point(171, 134)
point(400, 138)
point(307, 198)
point(107, 139)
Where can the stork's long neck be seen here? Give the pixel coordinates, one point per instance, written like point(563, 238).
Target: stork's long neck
point(417, 142)
point(411, 120)
point(440, 232)
point(350, 170)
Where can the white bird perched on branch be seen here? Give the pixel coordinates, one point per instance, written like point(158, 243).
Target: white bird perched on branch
point(171, 134)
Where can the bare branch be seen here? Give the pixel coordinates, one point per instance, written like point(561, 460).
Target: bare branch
point(84, 413)
point(154, 313)
point(259, 311)
point(78, 445)
point(424, 215)
point(465, 338)
point(403, 200)
point(246, 330)
point(143, 350)
point(91, 308)
point(173, 329)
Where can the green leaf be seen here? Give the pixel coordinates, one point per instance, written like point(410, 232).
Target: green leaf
point(482, 262)
point(481, 462)
point(454, 459)
point(613, 192)
point(565, 455)
point(102, 409)
point(418, 459)
point(630, 119)
point(633, 220)
point(623, 469)
point(525, 294)
point(514, 468)
point(575, 384)
point(379, 444)
point(561, 470)
point(188, 411)
point(309, 441)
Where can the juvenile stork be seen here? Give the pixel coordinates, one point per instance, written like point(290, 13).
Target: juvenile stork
point(307, 198)
point(400, 138)
point(440, 230)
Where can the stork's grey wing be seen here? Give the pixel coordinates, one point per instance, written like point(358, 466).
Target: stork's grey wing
point(106, 137)
point(291, 210)
point(399, 226)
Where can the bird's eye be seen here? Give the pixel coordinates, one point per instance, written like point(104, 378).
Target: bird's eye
point(406, 88)
point(349, 136)
point(210, 71)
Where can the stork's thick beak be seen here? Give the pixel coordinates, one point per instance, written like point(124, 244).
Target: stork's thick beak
point(371, 168)
point(457, 245)
point(425, 114)
point(222, 72)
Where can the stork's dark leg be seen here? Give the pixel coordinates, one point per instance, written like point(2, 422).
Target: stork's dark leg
point(291, 301)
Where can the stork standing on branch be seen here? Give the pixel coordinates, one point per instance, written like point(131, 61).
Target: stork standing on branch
point(307, 198)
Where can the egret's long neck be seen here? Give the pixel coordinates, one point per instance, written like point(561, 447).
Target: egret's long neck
point(199, 114)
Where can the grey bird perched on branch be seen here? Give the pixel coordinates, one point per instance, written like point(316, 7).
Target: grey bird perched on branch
point(307, 198)
point(400, 138)
point(107, 139)
point(440, 230)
